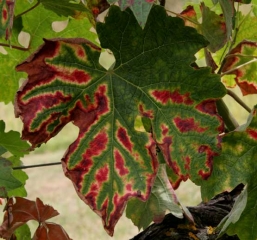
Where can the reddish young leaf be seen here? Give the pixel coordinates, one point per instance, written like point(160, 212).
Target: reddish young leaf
point(110, 161)
point(50, 231)
point(21, 210)
point(242, 63)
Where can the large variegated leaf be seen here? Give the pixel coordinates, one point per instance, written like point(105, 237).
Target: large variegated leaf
point(152, 78)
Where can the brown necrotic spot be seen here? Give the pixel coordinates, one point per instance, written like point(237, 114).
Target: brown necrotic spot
point(187, 125)
point(120, 163)
point(124, 139)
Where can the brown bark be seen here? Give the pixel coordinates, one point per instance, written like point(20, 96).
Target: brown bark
point(206, 216)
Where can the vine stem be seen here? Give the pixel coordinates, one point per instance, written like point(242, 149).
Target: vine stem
point(36, 165)
point(13, 46)
point(179, 15)
point(28, 10)
point(238, 100)
point(242, 65)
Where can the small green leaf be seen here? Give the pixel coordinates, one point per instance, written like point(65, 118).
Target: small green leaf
point(23, 232)
point(236, 163)
point(7, 181)
point(162, 198)
point(247, 27)
point(213, 28)
point(242, 63)
point(12, 142)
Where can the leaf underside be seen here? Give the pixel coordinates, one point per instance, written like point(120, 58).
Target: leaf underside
point(110, 161)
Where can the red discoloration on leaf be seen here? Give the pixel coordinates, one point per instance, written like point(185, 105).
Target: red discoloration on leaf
point(187, 163)
point(80, 52)
point(102, 175)
point(120, 163)
point(189, 12)
point(164, 96)
point(90, 198)
point(148, 114)
point(209, 161)
point(124, 139)
point(129, 187)
point(187, 125)
point(96, 148)
point(252, 133)
point(165, 129)
point(5, 14)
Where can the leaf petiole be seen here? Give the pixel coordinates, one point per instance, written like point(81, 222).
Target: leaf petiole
point(28, 10)
point(14, 47)
point(238, 100)
point(36, 165)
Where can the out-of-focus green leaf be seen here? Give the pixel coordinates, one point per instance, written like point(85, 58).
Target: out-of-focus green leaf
point(246, 31)
point(12, 142)
point(162, 198)
point(213, 28)
point(243, 1)
point(7, 180)
point(237, 162)
point(6, 18)
point(140, 8)
point(23, 232)
point(242, 63)
point(67, 8)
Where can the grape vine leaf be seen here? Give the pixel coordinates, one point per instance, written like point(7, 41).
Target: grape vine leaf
point(140, 8)
point(12, 142)
point(110, 161)
point(213, 28)
point(20, 210)
point(162, 198)
point(236, 163)
point(38, 26)
point(23, 232)
point(7, 181)
point(247, 28)
point(242, 62)
point(245, 226)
